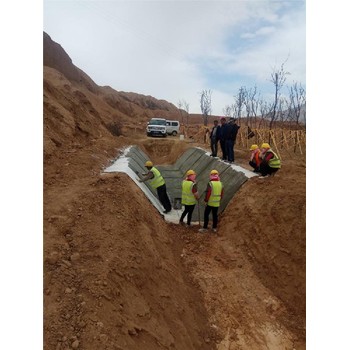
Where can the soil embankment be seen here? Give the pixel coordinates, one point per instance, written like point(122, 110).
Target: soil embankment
point(117, 276)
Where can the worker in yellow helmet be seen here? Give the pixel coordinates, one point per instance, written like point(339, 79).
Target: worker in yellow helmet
point(213, 196)
point(189, 196)
point(270, 162)
point(157, 181)
point(255, 158)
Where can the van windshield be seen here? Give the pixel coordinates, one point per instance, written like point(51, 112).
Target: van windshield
point(157, 122)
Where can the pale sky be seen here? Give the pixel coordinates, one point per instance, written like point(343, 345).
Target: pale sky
point(173, 50)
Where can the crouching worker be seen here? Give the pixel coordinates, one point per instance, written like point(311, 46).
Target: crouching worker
point(189, 196)
point(270, 162)
point(157, 181)
point(255, 159)
point(213, 196)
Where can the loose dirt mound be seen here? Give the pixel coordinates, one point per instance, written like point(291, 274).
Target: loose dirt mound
point(117, 276)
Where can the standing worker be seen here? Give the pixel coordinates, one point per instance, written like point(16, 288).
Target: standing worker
point(255, 159)
point(213, 196)
point(222, 133)
point(235, 128)
point(189, 196)
point(229, 134)
point(157, 182)
point(270, 161)
point(214, 138)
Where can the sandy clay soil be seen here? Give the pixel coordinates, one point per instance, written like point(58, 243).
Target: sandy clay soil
point(118, 277)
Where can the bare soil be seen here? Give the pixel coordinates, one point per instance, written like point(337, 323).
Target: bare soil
point(117, 276)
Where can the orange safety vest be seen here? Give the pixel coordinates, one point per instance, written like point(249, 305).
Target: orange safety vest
point(257, 158)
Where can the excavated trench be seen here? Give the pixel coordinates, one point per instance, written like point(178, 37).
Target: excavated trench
point(246, 294)
point(232, 176)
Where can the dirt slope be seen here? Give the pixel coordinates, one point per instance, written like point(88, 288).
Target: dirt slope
point(116, 276)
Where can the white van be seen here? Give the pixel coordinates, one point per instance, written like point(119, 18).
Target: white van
point(172, 127)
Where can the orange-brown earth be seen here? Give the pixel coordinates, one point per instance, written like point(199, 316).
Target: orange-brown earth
point(117, 276)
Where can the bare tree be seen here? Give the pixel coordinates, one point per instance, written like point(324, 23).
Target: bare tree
point(179, 105)
point(278, 78)
point(184, 106)
point(227, 111)
point(282, 110)
point(239, 103)
point(247, 106)
point(252, 102)
point(205, 101)
point(297, 107)
point(297, 96)
point(265, 109)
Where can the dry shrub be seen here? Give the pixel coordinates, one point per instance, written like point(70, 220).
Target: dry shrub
point(115, 128)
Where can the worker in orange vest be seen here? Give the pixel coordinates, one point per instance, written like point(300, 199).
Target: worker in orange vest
point(255, 158)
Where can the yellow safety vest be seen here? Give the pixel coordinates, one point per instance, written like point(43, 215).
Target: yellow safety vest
point(157, 179)
point(187, 197)
point(274, 162)
point(215, 196)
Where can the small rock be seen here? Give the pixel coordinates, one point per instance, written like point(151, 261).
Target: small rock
point(75, 344)
point(103, 337)
point(53, 258)
point(66, 262)
point(132, 331)
point(75, 257)
point(68, 291)
point(81, 324)
point(93, 318)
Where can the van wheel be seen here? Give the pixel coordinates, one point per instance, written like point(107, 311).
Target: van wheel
point(174, 133)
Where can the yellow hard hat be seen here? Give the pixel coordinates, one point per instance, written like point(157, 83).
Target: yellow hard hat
point(190, 172)
point(254, 147)
point(149, 164)
point(214, 172)
point(265, 145)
